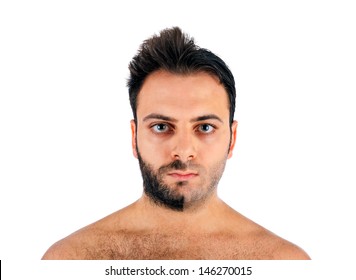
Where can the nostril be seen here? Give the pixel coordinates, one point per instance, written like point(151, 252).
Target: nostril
point(189, 158)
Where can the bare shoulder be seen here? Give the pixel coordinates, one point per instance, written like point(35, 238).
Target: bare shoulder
point(285, 250)
point(273, 247)
point(79, 245)
point(260, 243)
point(64, 249)
point(72, 247)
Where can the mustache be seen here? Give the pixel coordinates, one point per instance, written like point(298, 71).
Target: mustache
point(176, 165)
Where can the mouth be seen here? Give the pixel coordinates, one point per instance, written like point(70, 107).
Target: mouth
point(182, 176)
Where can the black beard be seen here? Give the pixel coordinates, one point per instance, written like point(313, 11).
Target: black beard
point(158, 192)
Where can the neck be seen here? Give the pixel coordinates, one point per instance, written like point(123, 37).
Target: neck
point(202, 215)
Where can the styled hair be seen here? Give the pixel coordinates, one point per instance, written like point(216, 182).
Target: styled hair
point(176, 52)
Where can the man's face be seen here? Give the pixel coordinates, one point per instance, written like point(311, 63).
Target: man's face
point(182, 137)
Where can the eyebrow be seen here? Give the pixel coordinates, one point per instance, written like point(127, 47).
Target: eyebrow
point(206, 117)
point(197, 119)
point(159, 117)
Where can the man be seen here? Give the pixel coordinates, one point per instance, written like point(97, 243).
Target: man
point(183, 132)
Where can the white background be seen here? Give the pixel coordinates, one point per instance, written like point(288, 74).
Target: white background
point(65, 150)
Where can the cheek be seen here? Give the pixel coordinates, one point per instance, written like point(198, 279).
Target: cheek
point(151, 148)
point(211, 154)
point(216, 144)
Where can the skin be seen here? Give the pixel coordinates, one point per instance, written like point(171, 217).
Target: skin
point(183, 117)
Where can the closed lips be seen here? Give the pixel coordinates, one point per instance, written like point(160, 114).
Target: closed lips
point(183, 175)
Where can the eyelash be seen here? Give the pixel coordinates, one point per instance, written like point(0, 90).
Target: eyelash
point(170, 128)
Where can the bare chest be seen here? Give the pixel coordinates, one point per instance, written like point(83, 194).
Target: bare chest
point(173, 246)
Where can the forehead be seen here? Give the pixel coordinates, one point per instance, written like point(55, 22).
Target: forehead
point(179, 95)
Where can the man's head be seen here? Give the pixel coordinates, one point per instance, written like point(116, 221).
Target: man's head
point(176, 52)
point(183, 101)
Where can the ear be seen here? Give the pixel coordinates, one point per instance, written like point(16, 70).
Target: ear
point(133, 138)
point(233, 138)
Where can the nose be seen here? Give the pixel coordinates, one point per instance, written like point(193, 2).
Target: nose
point(184, 147)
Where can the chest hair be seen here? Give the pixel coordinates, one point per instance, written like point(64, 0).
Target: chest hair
point(156, 246)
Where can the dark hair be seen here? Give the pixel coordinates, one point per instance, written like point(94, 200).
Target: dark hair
point(176, 52)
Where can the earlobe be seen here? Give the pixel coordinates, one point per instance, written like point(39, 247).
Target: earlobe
point(133, 138)
point(233, 138)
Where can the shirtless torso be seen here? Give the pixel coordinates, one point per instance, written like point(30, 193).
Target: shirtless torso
point(137, 232)
point(183, 132)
